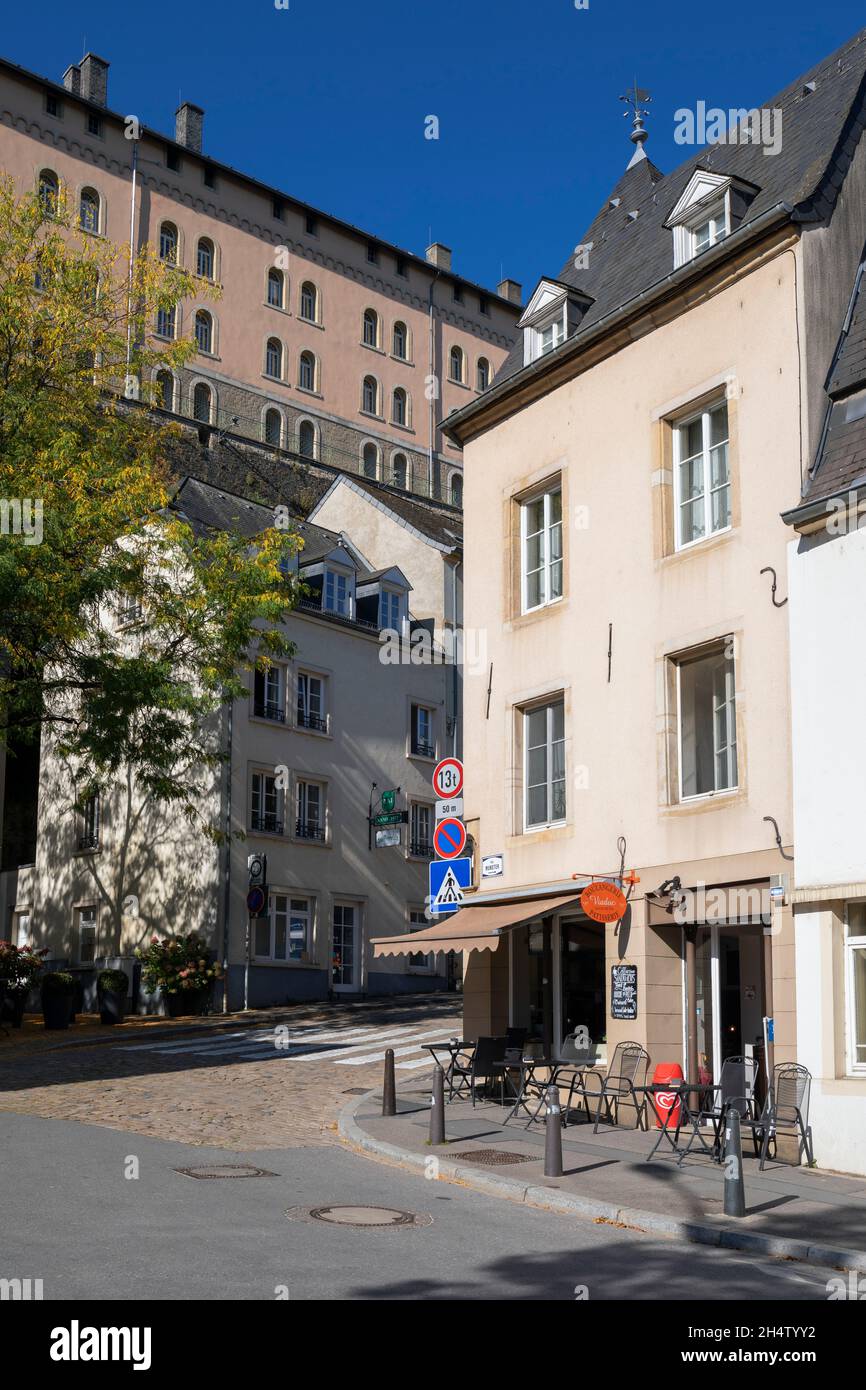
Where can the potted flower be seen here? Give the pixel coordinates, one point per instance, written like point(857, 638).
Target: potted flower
point(112, 987)
point(58, 998)
point(182, 969)
point(20, 968)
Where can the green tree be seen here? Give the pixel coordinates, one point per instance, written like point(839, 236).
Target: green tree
point(88, 535)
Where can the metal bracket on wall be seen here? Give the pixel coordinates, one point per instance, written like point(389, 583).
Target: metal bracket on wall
point(775, 826)
point(777, 602)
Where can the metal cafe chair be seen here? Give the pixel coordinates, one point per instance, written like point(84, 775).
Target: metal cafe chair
point(481, 1066)
point(735, 1090)
point(786, 1111)
point(627, 1071)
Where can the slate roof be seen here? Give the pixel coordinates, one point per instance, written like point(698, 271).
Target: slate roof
point(440, 522)
point(211, 508)
point(630, 256)
point(840, 463)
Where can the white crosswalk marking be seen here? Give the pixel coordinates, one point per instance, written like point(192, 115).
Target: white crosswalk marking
point(421, 1062)
point(344, 1046)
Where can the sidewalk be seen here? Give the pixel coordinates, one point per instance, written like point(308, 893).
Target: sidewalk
point(792, 1213)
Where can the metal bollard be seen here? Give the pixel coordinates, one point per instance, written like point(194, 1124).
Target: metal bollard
point(437, 1108)
point(389, 1086)
point(735, 1195)
point(553, 1134)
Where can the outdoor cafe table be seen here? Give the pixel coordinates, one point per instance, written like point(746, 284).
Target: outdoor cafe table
point(690, 1114)
point(453, 1046)
point(527, 1066)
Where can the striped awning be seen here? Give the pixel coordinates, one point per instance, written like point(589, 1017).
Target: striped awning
point(479, 927)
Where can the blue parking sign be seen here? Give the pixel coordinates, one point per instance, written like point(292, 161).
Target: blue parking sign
point(448, 878)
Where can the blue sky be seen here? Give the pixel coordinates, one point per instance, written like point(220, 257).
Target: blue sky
point(328, 98)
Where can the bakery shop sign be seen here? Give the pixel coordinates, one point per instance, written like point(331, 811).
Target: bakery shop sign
point(603, 902)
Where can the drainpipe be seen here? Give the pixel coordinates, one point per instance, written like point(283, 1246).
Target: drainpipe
point(547, 983)
point(131, 260)
point(431, 392)
point(768, 996)
point(691, 936)
point(227, 851)
point(455, 675)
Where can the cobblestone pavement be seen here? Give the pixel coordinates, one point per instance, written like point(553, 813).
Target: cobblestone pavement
point(243, 1088)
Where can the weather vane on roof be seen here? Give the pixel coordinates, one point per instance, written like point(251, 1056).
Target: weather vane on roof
point(637, 99)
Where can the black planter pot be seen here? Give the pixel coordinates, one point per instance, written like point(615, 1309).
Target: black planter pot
point(12, 1005)
point(186, 1002)
point(111, 1007)
point(58, 1010)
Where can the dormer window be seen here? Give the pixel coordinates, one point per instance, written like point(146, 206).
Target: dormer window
point(390, 609)
point(552, 314)
point(710, 208)
point(337, 594)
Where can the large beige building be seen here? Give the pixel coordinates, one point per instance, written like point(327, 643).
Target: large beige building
point(324, 341)
point(624, 482)
point(309, 751)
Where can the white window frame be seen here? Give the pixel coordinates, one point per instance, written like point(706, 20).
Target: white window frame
point(302, 698)
point(416, 808)
point(307, 913)
point(387, 598)
point(264, 795)
point(547, 563)
point(426, 965)
point(680, 426)
point(274, 683)
point(92, 927)
point(729, 702)
point(852, 944)
point(339, 577)
point(301, 802)
point(719, 211)
point(417, 707)
point(530, 827)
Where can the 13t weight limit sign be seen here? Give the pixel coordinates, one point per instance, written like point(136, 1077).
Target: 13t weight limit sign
point(448, 778)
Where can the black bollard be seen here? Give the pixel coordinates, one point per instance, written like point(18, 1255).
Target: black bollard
point(553, 1134)
point(735, 1195)
point(389, 1089)
point(437, 1108)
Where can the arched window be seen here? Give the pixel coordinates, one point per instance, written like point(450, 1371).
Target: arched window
point(49, 191)
point(166, 322)
point(483, 375)
point(202, 400)
point(400, 407)
point(165, 387)
point(205, 258)
point(371, 461)
point(456, 362)
point(273, 427)
point(371, 328)
point(168, 242)
point(370, 395)
point(307, 440)
point(204, 331)
point(456, 490)
point(274, 358)
point(400, 470)
point(275, 288)
point(400, 346)
point(88, 210)
point(307, 371)
point(309, 302)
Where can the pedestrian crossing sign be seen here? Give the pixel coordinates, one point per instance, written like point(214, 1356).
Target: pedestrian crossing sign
point(448, 878)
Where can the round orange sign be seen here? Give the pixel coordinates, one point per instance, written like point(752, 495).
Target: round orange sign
point(603, 902)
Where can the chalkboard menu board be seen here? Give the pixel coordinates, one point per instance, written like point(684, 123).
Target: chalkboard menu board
point(623, 991)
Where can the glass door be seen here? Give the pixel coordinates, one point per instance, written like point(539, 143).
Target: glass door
point(345, 949)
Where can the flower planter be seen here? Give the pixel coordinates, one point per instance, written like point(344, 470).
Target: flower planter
point(58, 1009)
point(12, 1005)
point(185, 1002)
point(111, 1007)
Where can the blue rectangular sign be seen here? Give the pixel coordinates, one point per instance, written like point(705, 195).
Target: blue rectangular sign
point(448, 878)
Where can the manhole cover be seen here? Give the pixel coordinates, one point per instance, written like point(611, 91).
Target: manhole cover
point(360, 1216)
point(356, 1091)
point(493, 1158)
point(225, 1170)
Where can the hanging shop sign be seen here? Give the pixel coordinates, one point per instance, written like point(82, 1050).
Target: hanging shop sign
point(623, 991)
point(603, 902)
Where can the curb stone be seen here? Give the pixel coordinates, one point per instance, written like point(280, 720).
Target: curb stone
point(554, 1199)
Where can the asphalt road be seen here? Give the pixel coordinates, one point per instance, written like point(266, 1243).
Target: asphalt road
point(70, 1216)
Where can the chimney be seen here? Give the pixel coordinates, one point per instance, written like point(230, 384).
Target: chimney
point(439, 255)
point(188, 126)
point(72, 79)
point(510, 289)
point(94, 79)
